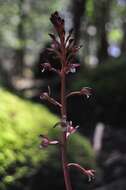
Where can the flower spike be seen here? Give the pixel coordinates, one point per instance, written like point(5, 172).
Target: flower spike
point(64, 48)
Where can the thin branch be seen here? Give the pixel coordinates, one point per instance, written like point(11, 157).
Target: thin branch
point(73, 94)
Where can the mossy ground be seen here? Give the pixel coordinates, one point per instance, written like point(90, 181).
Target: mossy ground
point(21, 122)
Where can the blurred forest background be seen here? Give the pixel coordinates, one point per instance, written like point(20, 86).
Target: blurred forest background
point(100, 26)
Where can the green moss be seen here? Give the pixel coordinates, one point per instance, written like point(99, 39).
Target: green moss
point(20, 124)
point(80, 151)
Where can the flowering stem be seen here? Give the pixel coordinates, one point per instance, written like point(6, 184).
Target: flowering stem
point(66, 51)
point(63, 135)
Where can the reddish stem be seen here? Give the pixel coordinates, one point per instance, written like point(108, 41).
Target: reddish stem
point(63, 136)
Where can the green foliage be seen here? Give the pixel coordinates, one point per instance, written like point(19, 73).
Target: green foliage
point(82, 152)
point(35, 22)
point(115, 36)
point(89, 8)
point(20, 124)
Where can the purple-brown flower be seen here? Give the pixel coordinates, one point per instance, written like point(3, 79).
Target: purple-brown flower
point(89, 173)
point(71, 67)
point(70, 129)
point(58, 23)
point(46, 66)
point(65, 48)
point(46, 142)
point(86, 91)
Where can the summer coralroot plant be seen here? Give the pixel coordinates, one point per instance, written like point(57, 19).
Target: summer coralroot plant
point(63, 46)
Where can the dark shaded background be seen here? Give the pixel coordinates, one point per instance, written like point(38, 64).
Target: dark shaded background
point(100, 26)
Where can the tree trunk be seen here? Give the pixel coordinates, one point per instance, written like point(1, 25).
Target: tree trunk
point(20, 52)
point(101, 15)
point(78, 11)
point(123, 45)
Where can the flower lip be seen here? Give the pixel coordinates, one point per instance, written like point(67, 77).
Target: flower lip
point(86, 91)
point(71, 67)
point(71, 129)
point(44, 96)
point(46, 142)
point(46, 66)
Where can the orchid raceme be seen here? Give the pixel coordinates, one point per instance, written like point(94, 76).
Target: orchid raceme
point(63, 46)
